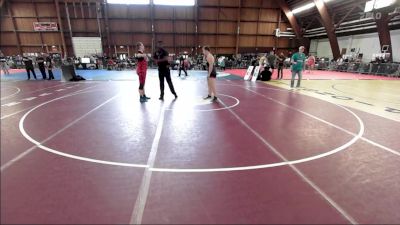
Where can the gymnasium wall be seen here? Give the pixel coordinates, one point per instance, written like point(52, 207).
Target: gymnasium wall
point(367, 43)
point(217, 25)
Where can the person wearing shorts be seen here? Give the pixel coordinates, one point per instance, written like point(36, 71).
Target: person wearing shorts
point(298, 60)
point(141, 70)
point(212, 74)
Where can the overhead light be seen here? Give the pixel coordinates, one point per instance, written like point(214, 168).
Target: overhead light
point(305, 7)
point(175, 2)
point(383, 3)
point(129, 2)
point(369, 6)
point(377, 4)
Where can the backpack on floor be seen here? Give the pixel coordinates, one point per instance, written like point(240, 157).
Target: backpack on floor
point(77, 78)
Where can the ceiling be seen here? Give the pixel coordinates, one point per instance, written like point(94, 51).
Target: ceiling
point(340, 10)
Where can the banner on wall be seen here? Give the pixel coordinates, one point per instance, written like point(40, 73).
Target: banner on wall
point(45, 26)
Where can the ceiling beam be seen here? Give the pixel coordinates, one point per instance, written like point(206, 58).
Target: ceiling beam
point(196, 15)
point(344, 17)
point(310, 23)
point(292, 19)
point(238, 28)
point(61, 28)
point(14, 26)
point(329, 27)
point(37, 19)
point(382, 25)
point(69, 25)
point(294, 24)
point(107, 27)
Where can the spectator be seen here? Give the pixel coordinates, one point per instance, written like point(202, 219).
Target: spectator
point(281, 58)
point(272, 60)
point(42, 68)
point(3, 64)
point(29, 67)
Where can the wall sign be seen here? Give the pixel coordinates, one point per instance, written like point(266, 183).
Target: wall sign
point(45, 26)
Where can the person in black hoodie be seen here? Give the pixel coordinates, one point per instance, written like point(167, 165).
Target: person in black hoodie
point(182, 66)
point(49, 64)
point(29, 67)
point(42, 68)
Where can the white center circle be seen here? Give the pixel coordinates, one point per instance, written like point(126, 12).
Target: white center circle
point(177, 170)
point(199, 101)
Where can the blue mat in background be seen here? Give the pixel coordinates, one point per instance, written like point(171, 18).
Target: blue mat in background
point(100, 75)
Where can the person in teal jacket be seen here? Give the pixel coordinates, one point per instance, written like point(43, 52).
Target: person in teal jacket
point(298, 60)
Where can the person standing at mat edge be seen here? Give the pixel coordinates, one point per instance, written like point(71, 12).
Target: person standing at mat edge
point(298, 60)
point(49, 64)
point(42, 67)
point(29, 67)
point(182, 66)
point(141, 70)
point(161, 58)
point(281, 59)
point(3, 64)
point(212, 74)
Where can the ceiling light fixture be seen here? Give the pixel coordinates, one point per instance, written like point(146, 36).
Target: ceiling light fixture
point(305, 7)
point(377, 4)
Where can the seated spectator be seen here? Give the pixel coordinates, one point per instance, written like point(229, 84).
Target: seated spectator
point(266, 74)
point(110, 64)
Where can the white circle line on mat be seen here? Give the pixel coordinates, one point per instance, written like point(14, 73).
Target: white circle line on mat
point(218, 109)
point(13, 94)
point(177, 170)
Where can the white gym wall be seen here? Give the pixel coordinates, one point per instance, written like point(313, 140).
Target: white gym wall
point(395, 36)
point(87, 46)
point(367, 43)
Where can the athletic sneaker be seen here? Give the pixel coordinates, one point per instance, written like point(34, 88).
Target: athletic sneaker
point(161, 98)
point(176, 96)
point(143, 99)
point(214, 99)
point(208, 97)
point(147, 98)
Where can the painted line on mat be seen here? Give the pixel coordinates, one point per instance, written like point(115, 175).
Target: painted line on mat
point(293, 162)
point(237, 102)
point(342, 129)
point(29, 99)
point(23, 110)
point(40, 144)
point(45, 148)
point(294, 168)
point(39, 90)
point(11, 104)
point(13, 94)
point(352, 141)
point(141, 200)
